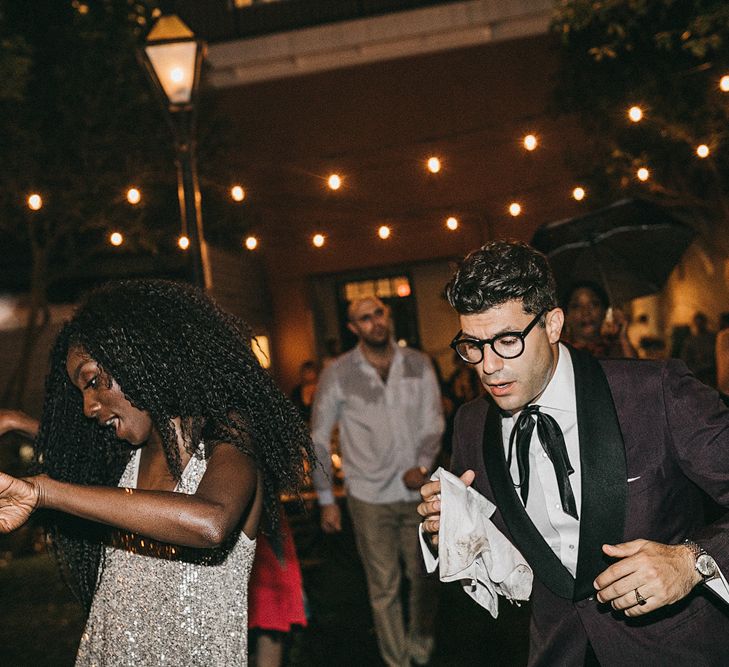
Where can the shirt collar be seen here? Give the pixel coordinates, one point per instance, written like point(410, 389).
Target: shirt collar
point(359, 355)
point(560, 391)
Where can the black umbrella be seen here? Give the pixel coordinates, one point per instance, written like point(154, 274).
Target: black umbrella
point(629, 247)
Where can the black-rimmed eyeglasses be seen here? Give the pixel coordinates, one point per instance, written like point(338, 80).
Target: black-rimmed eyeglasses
point(507, 345)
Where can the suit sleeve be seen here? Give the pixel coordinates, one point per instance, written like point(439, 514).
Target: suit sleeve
point(468, 439)
point(458, 466)
point(699, 432)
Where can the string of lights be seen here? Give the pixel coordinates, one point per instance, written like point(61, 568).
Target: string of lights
point(433, 164)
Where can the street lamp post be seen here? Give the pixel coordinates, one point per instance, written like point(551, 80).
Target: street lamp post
point(172, 57)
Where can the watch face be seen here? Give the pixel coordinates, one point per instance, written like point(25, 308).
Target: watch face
point(706, 565)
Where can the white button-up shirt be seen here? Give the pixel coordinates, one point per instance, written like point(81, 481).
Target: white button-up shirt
point(544, 507)
point(385, 428)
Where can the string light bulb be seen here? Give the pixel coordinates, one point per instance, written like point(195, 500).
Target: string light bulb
point(635, 114)
point(134, 196)
point(318, 240)
point(237, 193)
point(643, 174)
point(35, 202)
point(433, 165)
point(702, 151)
point(384, 232)
point(183, 242)
point(578, 193)
point(724, 83)
point(530, 142)
point(251, 243)
point(452, 223)
point(334, 182)
point(514, 208)
point(116, 239)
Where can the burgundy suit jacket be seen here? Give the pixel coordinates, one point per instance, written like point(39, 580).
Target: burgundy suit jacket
point(649, 421)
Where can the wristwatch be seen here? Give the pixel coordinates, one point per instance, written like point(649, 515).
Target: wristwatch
point(705, 565)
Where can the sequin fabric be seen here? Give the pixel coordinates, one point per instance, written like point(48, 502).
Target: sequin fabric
point(159, 604)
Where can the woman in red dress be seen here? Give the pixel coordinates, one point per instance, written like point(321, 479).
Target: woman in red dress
point(275, 598)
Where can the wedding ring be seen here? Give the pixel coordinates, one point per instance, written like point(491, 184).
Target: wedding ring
point(639, 598)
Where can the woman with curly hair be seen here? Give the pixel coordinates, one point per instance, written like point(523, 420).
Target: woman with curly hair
point(163, 443)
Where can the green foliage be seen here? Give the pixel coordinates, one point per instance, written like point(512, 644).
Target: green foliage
point(667, 57)
point(80, 125)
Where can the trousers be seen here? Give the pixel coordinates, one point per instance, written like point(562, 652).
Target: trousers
point(387, 541)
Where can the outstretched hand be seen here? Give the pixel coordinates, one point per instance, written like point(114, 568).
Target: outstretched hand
point(661, 573)
point(18, 499)
point(429, 509)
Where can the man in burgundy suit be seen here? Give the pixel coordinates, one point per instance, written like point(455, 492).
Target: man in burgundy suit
point(598, 470)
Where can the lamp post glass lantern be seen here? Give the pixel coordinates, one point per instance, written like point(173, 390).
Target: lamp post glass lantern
point(172, 57)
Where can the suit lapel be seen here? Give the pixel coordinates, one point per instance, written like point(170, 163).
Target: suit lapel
point(547, 567)
point(604, 483)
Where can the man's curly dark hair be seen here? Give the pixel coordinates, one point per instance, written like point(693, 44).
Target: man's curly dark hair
point(501, 271)
point(174, 353)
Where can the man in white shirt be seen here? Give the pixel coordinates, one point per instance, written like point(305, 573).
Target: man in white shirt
point(386, 401)
point(596, 470)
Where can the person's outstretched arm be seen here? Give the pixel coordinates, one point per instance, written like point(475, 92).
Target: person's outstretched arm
point(202, 520)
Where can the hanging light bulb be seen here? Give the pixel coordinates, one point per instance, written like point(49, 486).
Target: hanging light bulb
point(116, 239)
point(643, 174)
point(251, 243)
point(237, 193)
point(433, 165)
point(635, 114)
point(702, 151)
point(183, 242)
point(515, 208)
point(134, 196)
point(35, 202)
point(384, 232)
point(334, 181)
point(318, 240)
point(724, 83)
point(530, 142)
point(578, 193)
point(452, 223)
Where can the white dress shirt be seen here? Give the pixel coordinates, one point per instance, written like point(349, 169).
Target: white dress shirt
point(544, 506)
point(385, 427)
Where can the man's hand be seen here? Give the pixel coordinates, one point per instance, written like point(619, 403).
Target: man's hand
point(331, 518)
point(429, 509)
point(414, 478)
point(662, 574)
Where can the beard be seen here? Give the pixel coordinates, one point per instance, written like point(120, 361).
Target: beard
point(377, 344)
point(377, 340)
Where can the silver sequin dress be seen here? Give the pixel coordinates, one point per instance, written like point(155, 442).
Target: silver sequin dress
point(158, 604)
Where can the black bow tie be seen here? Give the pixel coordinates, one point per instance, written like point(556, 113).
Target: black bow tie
point(550, 435)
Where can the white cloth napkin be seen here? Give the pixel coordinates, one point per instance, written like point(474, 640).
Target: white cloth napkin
point(471, 549)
